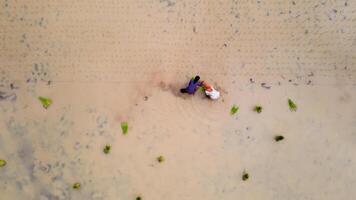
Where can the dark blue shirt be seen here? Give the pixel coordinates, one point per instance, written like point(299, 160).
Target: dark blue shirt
point(192, 87)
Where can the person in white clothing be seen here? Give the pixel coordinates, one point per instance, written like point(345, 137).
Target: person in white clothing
point(210, 91)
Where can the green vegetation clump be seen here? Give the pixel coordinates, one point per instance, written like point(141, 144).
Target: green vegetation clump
point(234, 109)
point(76, 186)
point(160, 159)
point(245, 176)
point(2, 163)
point(257, 109)
point(107, 149)
point(292, 105)
point(46, 102)
point(278, 138)
point(124, 127)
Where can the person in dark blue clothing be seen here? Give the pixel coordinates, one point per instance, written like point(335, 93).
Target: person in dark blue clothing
point(193, 86)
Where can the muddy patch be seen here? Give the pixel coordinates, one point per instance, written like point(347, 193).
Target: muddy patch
point(172, 88)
